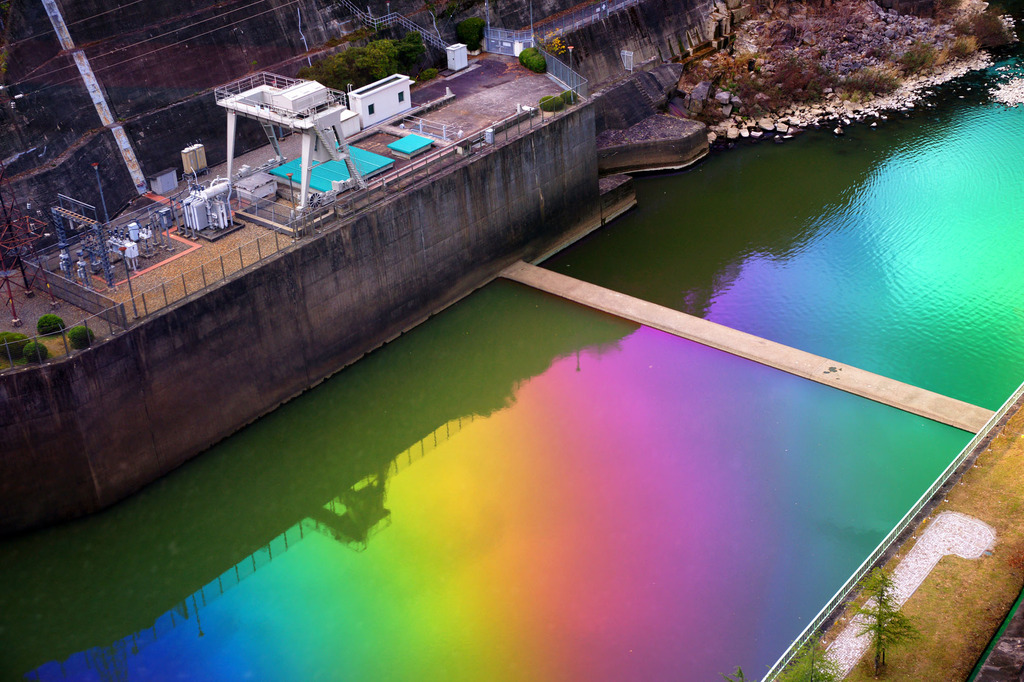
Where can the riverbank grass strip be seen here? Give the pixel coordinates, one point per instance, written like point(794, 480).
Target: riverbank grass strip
point(962, 602)
point(951, 533)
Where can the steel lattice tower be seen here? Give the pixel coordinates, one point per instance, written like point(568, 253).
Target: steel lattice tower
point(18, 235)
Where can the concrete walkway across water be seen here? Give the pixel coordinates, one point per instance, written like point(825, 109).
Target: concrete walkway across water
point(814, 367)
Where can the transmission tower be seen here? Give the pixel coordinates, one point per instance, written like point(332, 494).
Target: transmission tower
point(18, 235)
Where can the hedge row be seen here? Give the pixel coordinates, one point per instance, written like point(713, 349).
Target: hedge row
point(558, 102)
point(15, 346)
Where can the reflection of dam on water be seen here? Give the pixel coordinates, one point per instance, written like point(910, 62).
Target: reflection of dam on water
point(225, 516)
point(351, 518)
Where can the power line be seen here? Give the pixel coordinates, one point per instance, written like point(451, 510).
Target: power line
point(163, 35)
point(77, 21)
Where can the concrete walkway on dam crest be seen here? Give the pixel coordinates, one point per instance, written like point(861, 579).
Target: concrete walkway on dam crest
point(881, 389)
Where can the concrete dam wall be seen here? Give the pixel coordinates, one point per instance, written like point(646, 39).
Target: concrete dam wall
point(84, 433)
point(154, 63)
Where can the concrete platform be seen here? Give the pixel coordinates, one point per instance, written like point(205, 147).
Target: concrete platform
point(881, 389)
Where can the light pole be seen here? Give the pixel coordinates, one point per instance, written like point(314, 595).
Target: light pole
point(291, 190)
point(96, 167)
point(572, 77)
point(128, 272)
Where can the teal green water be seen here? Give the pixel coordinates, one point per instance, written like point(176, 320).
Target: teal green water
point(523, 489)
point(894, 249)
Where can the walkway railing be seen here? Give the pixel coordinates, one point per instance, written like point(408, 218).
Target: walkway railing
point(291, 227)
point(838, 601)
point(391, 19)
point(549, 29)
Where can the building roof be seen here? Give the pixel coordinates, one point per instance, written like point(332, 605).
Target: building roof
point(410, 144)
point(380, 85)
point(367, 163)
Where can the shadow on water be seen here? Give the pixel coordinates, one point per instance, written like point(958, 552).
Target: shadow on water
point(314, 465)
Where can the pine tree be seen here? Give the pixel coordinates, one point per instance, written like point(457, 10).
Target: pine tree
point(884, 623)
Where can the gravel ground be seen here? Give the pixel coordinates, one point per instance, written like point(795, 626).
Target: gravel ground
point(950, 533)
point(30, 309)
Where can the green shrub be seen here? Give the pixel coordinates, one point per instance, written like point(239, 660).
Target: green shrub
point(48, 325)
point(35, 352)
point(532, 59)
point(471, 32)
point(362, 65)
point(426, 75)
point(920, 56)
point(551, 103)
point(80, 337)
point(15, 343)
point(569, 97)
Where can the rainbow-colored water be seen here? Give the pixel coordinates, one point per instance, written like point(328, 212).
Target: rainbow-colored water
point(892, 249)
point(643, 509)
point(525, 489)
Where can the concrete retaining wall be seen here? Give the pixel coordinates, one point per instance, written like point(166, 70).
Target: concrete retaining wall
point(83, 433)
point(653, 154)
point(640, 96)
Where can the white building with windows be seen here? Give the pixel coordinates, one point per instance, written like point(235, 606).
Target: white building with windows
point(381, 100)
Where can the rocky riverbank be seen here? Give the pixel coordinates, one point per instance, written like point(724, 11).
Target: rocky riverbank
point(1009, 87)
point(799, 65)
point(836, 112)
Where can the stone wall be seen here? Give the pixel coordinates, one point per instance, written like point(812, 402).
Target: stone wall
point(155, 62)
point(85, 432)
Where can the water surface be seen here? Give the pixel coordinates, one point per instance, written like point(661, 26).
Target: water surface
point(519, 489)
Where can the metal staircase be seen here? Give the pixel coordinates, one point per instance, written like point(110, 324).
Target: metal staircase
point(392, 18)
point(338, 150)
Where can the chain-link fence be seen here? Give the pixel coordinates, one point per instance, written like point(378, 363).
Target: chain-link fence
point(560, 71)
point(503, 41)
point(838, 601)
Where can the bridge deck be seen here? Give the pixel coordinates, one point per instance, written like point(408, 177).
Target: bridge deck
point(897, 394)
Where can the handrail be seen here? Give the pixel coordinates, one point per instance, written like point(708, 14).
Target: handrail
point(348, 207)
point(392, 18)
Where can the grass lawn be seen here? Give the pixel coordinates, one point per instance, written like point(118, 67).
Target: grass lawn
point(55, 344)
point(962, 602)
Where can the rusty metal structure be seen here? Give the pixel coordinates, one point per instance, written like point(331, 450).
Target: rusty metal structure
point(18, 234)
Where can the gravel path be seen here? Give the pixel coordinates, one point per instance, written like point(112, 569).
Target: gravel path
point(950, 533)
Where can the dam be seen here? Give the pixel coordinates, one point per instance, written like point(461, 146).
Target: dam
point(522, 482)
point(526, 488)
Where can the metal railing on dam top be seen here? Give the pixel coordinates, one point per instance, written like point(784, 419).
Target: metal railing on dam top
point(838, 602)
point(285, 229)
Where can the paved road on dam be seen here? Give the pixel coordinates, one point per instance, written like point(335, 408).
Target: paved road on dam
point(897, 394)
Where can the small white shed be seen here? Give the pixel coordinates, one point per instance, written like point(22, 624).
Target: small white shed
point(458, 57)
point(381, 100)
